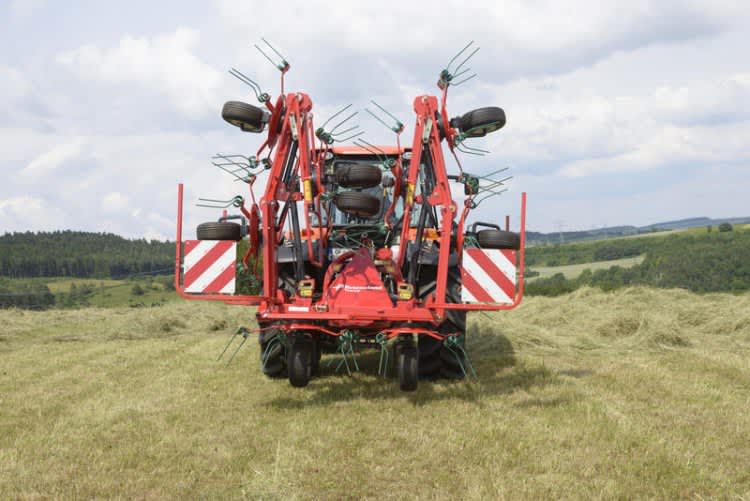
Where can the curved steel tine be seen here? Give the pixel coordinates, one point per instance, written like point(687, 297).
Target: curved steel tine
point(246, 80)
point(373, 147)
point(343, 122)
point(487, 176)
point(216, 204)
point(283, 59)
point(226, 157)
point(399, 125)
point(233, 163)
point(448, 66)
point(464, 80)
point(494, 184)
point(377, 118)
point(266, 56)
point(351, 137)
point(335, 115)
point(462, 150)
point(283, 66)
point(345, 131)
point(386, 111)
point(462, 72)
point(465, 60)
point(478, 150)
point(382, 157)
point(233, 173)
point(236, 165)
point(494, 193)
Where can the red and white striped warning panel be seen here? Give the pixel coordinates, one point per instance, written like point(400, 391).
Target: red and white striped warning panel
point(488, 276)
point(210, 266)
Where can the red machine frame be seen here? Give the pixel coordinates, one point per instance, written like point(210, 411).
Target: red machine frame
point(291, 138)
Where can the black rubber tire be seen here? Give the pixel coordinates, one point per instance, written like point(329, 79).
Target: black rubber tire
point(276, 360)
point(247, 117)
point(316, 356)
point(300, 362)
point(407, 367)
point(435, 360)
point(358, 175)
point(357, 203)
point(498, 239)
point(219, 231)
point(480, 122)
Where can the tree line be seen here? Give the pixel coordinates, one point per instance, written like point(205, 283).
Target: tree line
point(81, 255)
point(709, 262)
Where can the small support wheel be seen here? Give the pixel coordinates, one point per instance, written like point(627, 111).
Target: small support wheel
point(300, 362)
point(407, 367)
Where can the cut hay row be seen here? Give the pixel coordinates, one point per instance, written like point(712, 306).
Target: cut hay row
point(637, 393)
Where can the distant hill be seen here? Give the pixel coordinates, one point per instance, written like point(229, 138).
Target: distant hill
point(81, 254)
point(534, 237)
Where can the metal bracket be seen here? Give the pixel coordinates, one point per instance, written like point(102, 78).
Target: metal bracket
point(427, 130)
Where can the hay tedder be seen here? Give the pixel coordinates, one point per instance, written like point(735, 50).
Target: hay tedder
point(356, 246)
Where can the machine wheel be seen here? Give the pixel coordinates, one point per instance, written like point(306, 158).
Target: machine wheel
point(480, 122)
point(435, 360)
point(358, 175)
point(274, 365)
point(247, 117)
point(357, 203)
point(498, 239)
point(316, 355)
point(219, 231)
point(301, 356)
point(407, 367)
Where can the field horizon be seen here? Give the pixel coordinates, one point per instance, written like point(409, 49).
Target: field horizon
point(635, 393)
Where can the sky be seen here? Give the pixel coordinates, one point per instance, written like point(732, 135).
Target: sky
point(617, 112)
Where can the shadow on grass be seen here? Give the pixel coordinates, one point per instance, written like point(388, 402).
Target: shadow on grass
point(491, 353)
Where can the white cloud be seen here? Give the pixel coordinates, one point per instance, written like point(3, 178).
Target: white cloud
point(29, 213)
point(13, 84)
point(20, 204)
point(595, 93)
point(717, 101)
point(50, 160)
point(25, 8)
point(519, 38)
point(114, 201)
point(165, 63)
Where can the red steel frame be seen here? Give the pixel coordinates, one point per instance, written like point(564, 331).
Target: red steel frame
point(411, 315)
point(295, 110)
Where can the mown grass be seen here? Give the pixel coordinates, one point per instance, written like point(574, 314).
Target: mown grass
point(107, 293)
point(633, 394)
point(573, 271)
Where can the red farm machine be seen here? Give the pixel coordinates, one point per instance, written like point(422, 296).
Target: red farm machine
point(356, 246)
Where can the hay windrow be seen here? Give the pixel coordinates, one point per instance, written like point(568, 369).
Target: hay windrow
point(639, 393)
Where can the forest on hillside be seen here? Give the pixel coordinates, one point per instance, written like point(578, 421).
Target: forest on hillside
point(81, 255)
point(699, 262)
point(717, 261)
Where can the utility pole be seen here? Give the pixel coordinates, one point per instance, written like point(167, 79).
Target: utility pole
point(560, 224)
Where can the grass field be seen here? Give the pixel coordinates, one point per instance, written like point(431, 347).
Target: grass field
point(107, 293)
point(634, 394)
point(573, 271)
